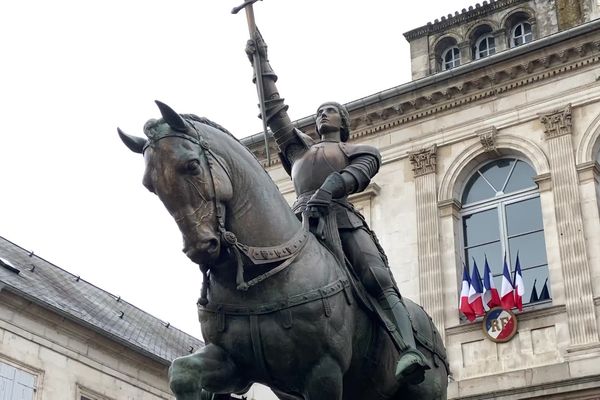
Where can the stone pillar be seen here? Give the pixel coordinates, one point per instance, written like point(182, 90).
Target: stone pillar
point(435, 65)
point(466, 53)
point(569, 13)
point(583, 328)
point(500, 39)
point(428, 238)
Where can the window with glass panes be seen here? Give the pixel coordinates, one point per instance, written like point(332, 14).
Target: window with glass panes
point(15, 383)
point(521, 34)
point(502, 215)
point(450, 58)
point(485, 46)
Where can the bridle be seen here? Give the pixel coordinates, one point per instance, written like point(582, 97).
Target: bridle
point(285, 253)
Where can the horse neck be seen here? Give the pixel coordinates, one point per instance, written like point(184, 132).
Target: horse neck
point(257, 214)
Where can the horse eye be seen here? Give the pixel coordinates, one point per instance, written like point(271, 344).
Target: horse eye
point(193, 166)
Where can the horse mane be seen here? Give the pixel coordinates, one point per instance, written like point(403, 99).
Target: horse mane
point(206, 121)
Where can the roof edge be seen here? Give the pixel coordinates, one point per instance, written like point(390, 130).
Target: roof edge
point(82, 322)
point(473, 12)
point(440, 77)
point(97, 287)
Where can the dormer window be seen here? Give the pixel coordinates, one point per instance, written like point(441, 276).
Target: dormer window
point(484, 46)
point(446, 54)
point(450, 58)
point(521, 34)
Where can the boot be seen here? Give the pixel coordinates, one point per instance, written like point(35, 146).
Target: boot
point(412, 364)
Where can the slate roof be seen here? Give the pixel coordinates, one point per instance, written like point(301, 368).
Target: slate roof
point(66, 294)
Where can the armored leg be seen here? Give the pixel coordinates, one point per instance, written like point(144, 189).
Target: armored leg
point(376, 276)
point(412, 364)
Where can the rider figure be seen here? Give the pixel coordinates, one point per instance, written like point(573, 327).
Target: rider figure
point(324, 174)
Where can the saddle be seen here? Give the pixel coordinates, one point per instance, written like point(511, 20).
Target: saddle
point(325, 229)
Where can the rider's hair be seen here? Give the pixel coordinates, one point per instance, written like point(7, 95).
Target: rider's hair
point(345, 125)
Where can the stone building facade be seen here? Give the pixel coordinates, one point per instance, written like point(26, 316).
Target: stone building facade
point(64, 338)
point(491, 151)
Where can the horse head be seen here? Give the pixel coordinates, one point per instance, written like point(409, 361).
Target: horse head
point(190, 179)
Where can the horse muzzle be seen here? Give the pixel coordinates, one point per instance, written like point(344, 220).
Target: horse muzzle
point(204, 251)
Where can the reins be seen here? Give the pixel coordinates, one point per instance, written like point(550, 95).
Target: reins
point(285, 253)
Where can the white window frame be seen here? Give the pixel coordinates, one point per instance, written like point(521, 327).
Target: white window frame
point(455, 60)
point(499, 202)
point(37, 375)
point(513, 36)
point(487, 37)
point(89, 394)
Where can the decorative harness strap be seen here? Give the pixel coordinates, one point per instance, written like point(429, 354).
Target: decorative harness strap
point(323, 293)
point(285, 252)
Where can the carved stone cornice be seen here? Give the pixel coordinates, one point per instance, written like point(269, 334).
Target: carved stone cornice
point(466, 15)
point(424, 161)
point(455, 93)
point(449, 207)
point(557, 122)
point(487, 137)
point(501, 79)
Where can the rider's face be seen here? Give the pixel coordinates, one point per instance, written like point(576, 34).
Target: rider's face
point(328, 119)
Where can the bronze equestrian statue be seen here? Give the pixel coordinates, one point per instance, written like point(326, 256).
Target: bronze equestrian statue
point(324, 174)
point(277, 306)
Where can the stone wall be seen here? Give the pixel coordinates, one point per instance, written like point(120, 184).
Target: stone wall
point(69, 360)
point(547, 114)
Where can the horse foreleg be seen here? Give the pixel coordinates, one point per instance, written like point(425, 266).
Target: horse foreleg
point(325, 381)
point(210, 369)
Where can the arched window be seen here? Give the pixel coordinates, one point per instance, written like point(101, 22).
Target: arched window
point(501, 214)
point(447, 54)
point(450, 58)
point(484, 46)
point(521, 34)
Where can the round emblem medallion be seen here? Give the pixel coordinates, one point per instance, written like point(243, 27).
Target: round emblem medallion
point(499, 325)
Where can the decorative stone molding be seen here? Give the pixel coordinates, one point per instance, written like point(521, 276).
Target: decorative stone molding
point(424, 161)
point(501, 80)
point(557, 123)
point(544, 182)
point(487, 137)
point(589, 146)
point(449, 207)
point(473, 13)
point(461, 167)
point(498, 79)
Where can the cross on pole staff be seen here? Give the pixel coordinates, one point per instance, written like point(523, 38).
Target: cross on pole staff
point(257, 69)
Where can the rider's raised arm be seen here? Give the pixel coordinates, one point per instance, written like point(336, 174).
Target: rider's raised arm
point(291, 142)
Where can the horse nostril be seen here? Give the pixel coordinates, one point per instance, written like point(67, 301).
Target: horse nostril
point(212, 245)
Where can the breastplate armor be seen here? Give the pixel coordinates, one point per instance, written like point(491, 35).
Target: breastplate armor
point(321, 159)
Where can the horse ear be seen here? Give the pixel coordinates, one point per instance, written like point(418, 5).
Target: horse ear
point(171, 117)
point(135, 144)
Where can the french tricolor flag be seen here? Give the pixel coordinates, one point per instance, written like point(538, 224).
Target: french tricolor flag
point(519, 285)
point(490, 293)
point(507, 296)
point(476, 292)
point(465, 307)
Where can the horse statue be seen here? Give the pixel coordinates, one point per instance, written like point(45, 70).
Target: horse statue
point(277, 307)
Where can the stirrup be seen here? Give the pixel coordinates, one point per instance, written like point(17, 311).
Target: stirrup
point(411, 367)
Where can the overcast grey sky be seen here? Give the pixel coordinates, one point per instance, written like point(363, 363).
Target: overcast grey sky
point(72, 71)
